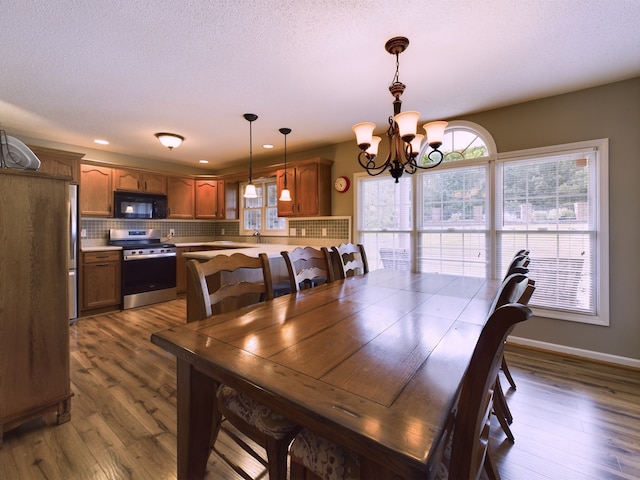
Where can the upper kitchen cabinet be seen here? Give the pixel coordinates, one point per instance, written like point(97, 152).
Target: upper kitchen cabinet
point(139, 181)
point(96, 192)
point(210, 199)
point(59, 163)
point(309, 182)
point(180, 197)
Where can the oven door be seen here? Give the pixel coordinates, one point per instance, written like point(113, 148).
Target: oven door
point(148, 274)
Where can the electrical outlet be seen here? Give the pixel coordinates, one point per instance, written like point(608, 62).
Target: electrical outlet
point(83, 233)
point(303, 232)
point(324, 232)
point(292, 232)
point(172, 232)
point(222, 232)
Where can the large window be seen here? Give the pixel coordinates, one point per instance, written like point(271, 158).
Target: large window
point(472, 213)
point(260, 214)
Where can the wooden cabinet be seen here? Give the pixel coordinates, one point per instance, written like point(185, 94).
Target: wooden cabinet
point(139, 181)
point(180, 197)
point(100, 280)
point(310, 185)
point(34, 324)
point(58, 163)
point(210, 199)
point(96, 194)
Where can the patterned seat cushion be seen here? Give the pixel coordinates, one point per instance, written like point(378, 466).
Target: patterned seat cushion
point(324, 458)
point(254, 413)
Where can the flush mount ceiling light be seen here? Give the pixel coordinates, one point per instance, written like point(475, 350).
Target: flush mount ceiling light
point(404, 142)
point(285, 195)
point(250, 190)
point(170, 140)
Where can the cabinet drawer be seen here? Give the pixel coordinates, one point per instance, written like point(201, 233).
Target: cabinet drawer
point(101, 257)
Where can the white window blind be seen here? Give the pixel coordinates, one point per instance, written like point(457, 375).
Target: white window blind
point(453, 221)
point(546, 203)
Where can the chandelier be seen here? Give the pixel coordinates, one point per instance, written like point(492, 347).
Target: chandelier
point(404, 142)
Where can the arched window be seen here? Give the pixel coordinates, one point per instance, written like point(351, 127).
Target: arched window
point(463, 141)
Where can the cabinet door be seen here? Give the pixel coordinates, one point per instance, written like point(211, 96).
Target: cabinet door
point(286, 209)
point(154, 183)
point(180, 196)
point(126, 180)
point(100, 279)
point(59, 163)
point(206, 198)
point(96, 194)
point(306, 198)
point(220, 202)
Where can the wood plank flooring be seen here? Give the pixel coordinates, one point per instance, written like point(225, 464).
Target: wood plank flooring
point(573, 419)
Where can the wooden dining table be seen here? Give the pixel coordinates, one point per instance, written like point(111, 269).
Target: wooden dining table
point(373, 363)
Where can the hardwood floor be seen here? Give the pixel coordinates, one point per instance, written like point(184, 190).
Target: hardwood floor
point(573, 419)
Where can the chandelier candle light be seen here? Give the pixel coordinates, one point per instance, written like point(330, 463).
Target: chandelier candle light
point(404, 142)
point(285, 195)
point(250, 190)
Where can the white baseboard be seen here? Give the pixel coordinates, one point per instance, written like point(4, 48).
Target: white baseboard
point(577, 352)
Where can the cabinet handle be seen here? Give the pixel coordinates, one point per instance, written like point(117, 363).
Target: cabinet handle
point(102, 256)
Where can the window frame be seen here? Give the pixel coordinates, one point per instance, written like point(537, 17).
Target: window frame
point(601, 213)
point(263, 183)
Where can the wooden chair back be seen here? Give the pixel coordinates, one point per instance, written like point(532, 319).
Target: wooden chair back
point(519, 264)
point(469, 448)
point(308, 267)
point(515, 288)
point(226, 283)
point(351, 259)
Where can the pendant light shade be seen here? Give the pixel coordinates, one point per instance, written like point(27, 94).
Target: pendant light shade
point(250, 190)
point(285, 195)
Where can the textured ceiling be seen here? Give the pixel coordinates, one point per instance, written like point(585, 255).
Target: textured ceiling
point(76, 70)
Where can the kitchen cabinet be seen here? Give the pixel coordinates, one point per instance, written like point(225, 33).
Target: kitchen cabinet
point(180, 197)
point(310, 185)
point(96, 194)
point(34, 325)
point(58, 163)
point(139, 181)
point(210, 199)
point(181, 265)
point(100, 280)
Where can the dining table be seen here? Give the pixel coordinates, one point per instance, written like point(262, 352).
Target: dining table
point(373, 363)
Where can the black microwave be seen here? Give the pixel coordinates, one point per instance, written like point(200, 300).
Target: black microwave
point(139, 205)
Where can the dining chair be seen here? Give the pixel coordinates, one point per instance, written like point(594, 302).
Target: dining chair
point(516, 288)
point(464, 452)
point(224, 284)
point(308, 267)
point(351, 259)
point(519, 264)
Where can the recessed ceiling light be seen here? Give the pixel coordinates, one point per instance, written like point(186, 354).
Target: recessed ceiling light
point(203, 161)
point(267, 145)
point(101, 142)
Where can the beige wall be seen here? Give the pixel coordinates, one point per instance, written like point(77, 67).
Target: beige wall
point(611, 111)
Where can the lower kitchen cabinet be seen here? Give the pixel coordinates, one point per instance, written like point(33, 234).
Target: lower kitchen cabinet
point(100, 280)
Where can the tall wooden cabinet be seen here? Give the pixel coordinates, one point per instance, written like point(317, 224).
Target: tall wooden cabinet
point(309, 182)
point(34, 325)
point(180, 196)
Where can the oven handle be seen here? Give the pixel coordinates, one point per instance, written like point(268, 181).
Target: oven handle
point(127, 258)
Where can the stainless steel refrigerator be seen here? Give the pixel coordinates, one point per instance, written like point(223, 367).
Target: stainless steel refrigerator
point(73, 253)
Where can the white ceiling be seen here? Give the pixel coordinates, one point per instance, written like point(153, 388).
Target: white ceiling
point(75, 70)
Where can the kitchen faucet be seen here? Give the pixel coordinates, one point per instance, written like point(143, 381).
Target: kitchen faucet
point(256, 234)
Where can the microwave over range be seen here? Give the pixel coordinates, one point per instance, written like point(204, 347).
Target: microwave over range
point(139, 205)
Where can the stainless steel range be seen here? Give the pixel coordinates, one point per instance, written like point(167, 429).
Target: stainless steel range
point(148, 267)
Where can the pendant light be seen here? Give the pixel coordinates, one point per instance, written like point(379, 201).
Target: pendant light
point(250, 190)
point(285, 195)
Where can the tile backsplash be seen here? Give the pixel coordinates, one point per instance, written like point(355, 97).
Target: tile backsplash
point(315, 230)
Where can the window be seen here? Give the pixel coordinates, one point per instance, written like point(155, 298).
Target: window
point(261, 213)
point(470, 215)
